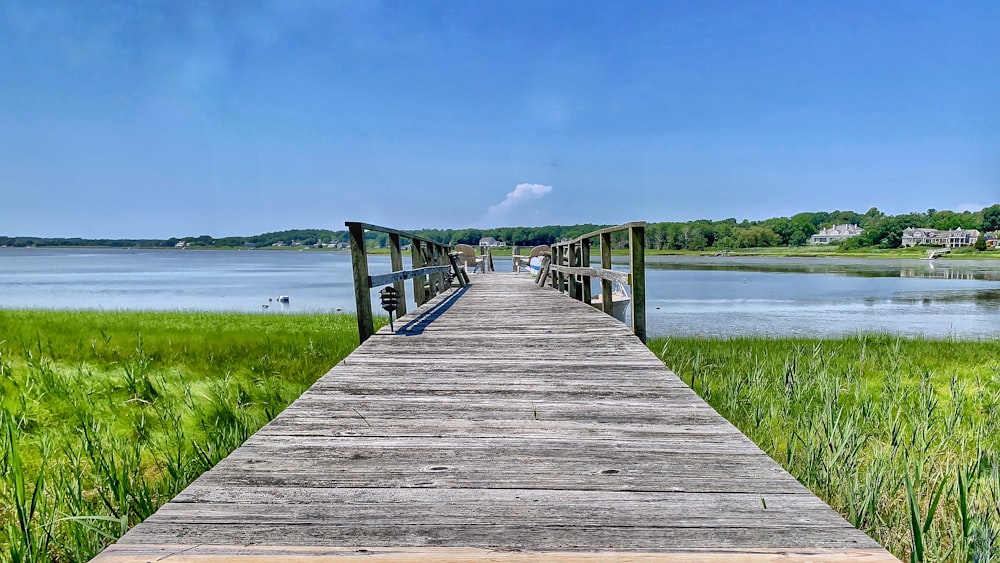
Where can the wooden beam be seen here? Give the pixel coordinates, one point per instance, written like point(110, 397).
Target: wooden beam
point(572, 262)
point(389, 231)
point(394, 277)
point(637, 265)
point(396, 261)
point(585, 263)
point(362, 295)
point(417, 257)
point(606, 303)
point(599, 232)
point(623, 277)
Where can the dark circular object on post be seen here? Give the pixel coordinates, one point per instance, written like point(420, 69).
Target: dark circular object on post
point(389, 297)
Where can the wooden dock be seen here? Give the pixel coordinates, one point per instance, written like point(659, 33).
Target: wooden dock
point(503, 421)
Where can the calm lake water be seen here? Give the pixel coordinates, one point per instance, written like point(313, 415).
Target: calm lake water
point(685, 295)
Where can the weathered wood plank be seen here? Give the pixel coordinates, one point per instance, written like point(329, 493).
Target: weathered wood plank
point(312, 554)
point(502, 416)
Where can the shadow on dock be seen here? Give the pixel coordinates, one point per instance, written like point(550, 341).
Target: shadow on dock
point(417, 325)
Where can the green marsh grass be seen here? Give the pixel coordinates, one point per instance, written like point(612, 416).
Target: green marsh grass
point(900, 435)
point(104, 416)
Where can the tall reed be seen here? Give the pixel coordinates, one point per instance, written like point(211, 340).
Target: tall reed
point(106, 416)
point(900, 435)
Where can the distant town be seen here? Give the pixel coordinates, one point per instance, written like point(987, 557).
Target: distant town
point(847, 230)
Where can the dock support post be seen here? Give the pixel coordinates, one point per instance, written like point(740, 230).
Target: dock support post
point(396, 258)
point(606, 303)
point(637, 266)
point(585, 263)
point(359, 261)
point(574, 285)
point(436, 280)
point(417, 256)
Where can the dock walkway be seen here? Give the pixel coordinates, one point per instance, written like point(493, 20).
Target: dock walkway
point(503, 421)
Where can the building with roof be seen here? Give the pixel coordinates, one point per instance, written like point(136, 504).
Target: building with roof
point(955, 238)
point(835, 233)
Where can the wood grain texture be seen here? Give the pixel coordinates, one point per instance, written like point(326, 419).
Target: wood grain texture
point(502, 421)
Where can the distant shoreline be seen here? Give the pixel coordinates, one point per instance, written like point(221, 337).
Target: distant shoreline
point(916, 253)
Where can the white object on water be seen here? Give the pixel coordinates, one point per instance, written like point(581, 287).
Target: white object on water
point(620, 300)
point(282, 299)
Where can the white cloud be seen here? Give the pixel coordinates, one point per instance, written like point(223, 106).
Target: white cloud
point(521, 194)
point(971, 207)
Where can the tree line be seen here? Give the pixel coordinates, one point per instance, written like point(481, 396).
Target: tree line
point(880, 230)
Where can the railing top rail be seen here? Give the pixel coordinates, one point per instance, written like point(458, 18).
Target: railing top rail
point(391, 231)
point(599, 232)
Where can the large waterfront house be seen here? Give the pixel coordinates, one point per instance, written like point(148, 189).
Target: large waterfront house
point(955, 238)
point(490, 241)
point(835, 233)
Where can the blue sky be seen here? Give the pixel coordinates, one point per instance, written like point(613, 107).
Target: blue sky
point(174, 118)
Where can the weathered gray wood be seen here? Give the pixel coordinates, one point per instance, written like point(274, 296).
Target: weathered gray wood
point(396, 262)
point(400, 276)
point(573, 262)
point(608, 230)
point(359, 265)
point(417, 262)
point(603, 274)
point(437, 276)
point(184, 553)
point(390, 231)
point(606, 290)
point(585, 262)
point(637, 266)
point(457, 271)
point(504, 416)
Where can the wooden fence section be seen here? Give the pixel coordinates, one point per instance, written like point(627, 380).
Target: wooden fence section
point(430, 262)
point(571, 271)
point(502, 422)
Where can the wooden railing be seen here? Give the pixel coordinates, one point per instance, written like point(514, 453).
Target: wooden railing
point(431, 261)
point(569, 270)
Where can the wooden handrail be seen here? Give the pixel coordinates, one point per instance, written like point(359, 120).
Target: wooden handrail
point(568, 269)
point(431, 260)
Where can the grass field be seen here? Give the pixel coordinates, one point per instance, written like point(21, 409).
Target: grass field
point(104, 416)
point(899, 435)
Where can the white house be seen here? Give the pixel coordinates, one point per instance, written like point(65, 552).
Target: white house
point(490, 241)
point(912, 236)
point(835, 233)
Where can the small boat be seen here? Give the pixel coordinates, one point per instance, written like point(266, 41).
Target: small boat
point(620, 300)
point(535, 266)
point(283, 299)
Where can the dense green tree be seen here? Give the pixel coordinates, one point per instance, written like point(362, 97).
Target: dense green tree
point(991, 218)
point(980, 244)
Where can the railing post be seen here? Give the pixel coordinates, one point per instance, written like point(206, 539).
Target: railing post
point(514, 266)
point(562, 262)
point(396, 260)
point(432, 279)
point(574, 285)
point(637, 266)
point(417, 256)
point(585, 262)
point(606, 303)
point(362, 294)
